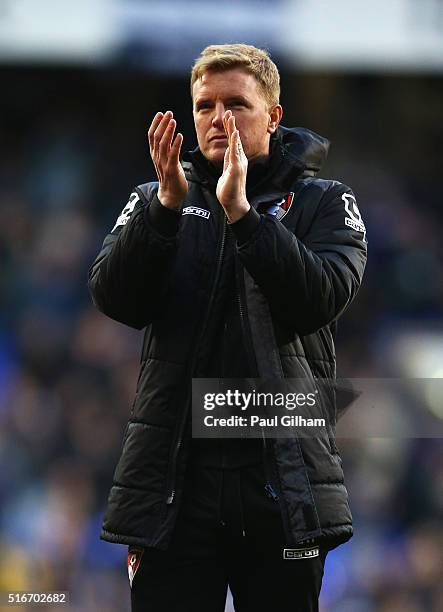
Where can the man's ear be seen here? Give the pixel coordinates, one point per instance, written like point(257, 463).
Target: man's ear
point(275, 115)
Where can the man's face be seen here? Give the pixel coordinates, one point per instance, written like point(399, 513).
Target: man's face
point(238, 91)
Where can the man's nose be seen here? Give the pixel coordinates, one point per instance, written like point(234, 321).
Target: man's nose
point(217, 119)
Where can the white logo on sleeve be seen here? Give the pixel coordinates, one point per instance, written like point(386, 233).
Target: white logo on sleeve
point(196, 210)
point(353, 218)
point(125, 214)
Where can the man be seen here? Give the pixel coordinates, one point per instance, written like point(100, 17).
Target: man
point(238, 262)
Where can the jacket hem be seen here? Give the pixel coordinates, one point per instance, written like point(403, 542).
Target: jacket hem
point(117, 538)
point(332, 537)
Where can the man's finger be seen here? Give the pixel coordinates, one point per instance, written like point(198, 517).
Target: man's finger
point(231, 126)
point(158, 133)
point(235, 147)
point(174, 155)
point(154, 125)
point(226, 158)
point(166, 140)
point(228, 130)
point(225, 118)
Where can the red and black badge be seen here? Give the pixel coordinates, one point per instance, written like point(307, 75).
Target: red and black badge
point(134, 558)
point(279, 209)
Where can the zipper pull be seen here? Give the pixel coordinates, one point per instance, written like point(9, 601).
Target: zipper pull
point(171, 498)
point(270, 492)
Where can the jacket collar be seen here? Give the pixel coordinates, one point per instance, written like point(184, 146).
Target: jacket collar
point(294, 153)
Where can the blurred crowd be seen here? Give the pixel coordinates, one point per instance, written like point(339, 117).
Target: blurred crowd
point(73, 147)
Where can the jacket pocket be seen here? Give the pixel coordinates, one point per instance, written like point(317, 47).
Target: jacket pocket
point(326, 402)
point(144, 459)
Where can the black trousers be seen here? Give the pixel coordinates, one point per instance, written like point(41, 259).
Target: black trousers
point(228, 532)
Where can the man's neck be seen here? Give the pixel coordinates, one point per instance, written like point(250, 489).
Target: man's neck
point(258, 167)
point(258, 159)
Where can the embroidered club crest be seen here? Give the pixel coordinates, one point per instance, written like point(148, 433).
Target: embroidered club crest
point(134, 558)
point(279, 209)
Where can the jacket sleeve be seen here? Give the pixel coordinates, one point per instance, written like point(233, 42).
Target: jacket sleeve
point(128, 280)
point(308, 282)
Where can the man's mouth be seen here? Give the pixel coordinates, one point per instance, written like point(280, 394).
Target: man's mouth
point(219, 138)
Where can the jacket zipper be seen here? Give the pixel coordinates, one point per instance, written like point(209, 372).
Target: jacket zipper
point(270, 491)
point(267, 452)
point(173, 473)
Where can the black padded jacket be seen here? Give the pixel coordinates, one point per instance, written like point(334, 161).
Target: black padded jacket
point(300, 253)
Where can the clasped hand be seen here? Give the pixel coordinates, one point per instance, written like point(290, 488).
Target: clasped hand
point(173, 186)
point(231, 186)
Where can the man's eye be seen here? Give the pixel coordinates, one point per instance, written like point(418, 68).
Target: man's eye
point(203, 106)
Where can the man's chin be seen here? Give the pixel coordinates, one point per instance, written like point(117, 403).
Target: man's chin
point(215, 157)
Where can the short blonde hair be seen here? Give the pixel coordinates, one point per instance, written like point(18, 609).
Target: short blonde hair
point(253, 60)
